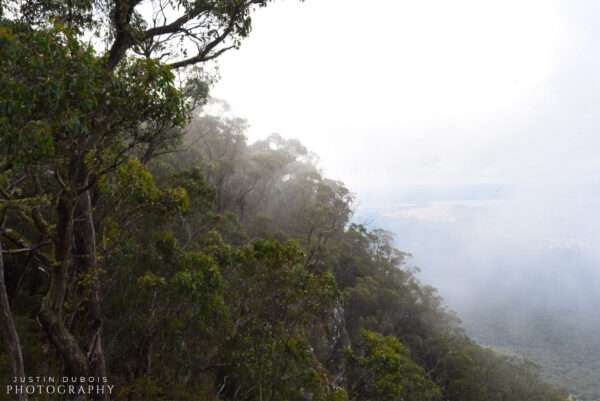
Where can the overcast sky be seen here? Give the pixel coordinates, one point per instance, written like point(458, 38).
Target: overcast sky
point(469, 127)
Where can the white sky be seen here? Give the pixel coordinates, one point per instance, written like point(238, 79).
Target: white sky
point(476, 119)
point(351, 79)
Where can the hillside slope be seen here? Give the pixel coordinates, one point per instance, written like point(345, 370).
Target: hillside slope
point(552, 321)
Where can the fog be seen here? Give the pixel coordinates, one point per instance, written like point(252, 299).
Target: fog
point(468, 128)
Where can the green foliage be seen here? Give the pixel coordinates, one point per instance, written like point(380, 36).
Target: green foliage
point(565, 345)
point(384, 370)
point(54, 82)
point(58, 92)
point(136, 184)
point(277, 302)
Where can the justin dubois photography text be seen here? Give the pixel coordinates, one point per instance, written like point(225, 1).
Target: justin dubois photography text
point(41, 385)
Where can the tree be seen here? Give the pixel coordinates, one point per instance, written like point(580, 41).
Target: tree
point(70, 116)
point(382, 370)
point(163, 30)
point(8, 328)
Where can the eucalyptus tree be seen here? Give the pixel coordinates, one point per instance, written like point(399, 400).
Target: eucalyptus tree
point(86, 85)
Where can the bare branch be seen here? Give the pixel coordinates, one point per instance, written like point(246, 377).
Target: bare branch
point(199, 58)
point(174, 26)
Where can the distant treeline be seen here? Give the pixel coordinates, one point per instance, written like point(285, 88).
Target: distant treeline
point(565, 344)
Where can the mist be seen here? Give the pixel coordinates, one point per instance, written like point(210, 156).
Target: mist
point(470, 131)
point(498, 168)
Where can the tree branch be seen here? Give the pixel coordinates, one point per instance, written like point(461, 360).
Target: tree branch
point(9, 330)
point(198, 59)
point(174, 26)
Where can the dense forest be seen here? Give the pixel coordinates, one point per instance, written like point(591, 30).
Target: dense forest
point(510, 302)
point(567, 350)
point(145, 240)
point(559, 335)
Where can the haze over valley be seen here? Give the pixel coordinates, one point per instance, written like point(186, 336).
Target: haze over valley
point(471, 132)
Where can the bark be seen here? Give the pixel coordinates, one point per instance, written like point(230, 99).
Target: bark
point(87, 261)
point(9, 330)
point(52, 310)
point(123, 39)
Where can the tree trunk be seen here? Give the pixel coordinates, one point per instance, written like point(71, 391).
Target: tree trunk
point(87, 261)
point(51, 313)
point(9, 331)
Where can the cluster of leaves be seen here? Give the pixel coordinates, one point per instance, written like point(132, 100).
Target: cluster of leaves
point(55, 92)
point(383, 369)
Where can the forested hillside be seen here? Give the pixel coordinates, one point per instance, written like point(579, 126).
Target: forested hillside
point(566, 348)
point(559, 334)
point(231, 271)
point(538, 304)
point(148, 242)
